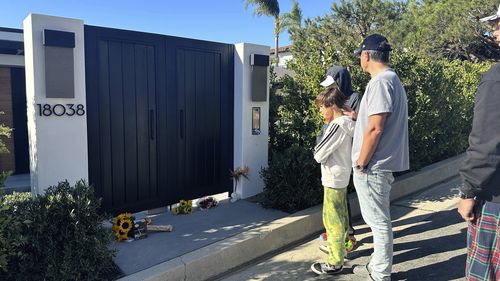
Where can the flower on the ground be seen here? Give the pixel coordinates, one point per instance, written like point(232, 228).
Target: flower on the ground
point(183, 203)
point(122, 224)
point(184, 207)
point(207, 203)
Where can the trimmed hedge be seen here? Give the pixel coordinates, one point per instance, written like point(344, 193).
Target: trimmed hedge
point(440, 105)
point(440, 108)
point(292, 180)
point(57, 236)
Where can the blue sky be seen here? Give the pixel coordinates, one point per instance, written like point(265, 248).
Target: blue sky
point(218, 20)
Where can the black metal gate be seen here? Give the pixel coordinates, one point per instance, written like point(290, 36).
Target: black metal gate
point(160, 117)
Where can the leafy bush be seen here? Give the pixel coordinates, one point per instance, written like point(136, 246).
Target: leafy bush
point(4, 132)
point(292, 180)
point(440, 91)
point(9, 228)
point(57, 236)
point(440, 103)
point(3, 177)
point(293, 116)
point(16, 198)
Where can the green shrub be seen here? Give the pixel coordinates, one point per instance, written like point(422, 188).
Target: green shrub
point(16, 198)
point(440, 103)
point(440, 91)
point(292, 180)
point(3, 177)
point(293, 117)
point(4, 133)
point(9, 238)
point(57, 236)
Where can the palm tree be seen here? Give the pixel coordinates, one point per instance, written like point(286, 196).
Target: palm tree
point(292, 20)
point(270, 8)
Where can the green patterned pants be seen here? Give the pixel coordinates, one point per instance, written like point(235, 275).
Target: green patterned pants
point(335, 220)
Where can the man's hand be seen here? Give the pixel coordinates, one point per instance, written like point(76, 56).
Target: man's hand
point(466, 209)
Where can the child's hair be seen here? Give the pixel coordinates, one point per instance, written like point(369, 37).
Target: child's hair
point(330, 96)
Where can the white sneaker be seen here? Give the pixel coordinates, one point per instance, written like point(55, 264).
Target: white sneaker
point(321, 268)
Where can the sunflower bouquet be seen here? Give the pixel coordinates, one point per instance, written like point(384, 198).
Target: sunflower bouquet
point(184, 207)
point(122, 226)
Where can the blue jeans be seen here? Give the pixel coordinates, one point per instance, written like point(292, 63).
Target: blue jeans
point(374, 190)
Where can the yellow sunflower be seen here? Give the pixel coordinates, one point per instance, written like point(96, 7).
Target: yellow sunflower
point(120, 236)
point(123, 223)
point(176, 210)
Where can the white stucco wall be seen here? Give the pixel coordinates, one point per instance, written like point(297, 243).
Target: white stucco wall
point(250, 150)
point(285, 57)
point(58, 144)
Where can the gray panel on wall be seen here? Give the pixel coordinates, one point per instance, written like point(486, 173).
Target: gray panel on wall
point(259, 83)
point(59, 72)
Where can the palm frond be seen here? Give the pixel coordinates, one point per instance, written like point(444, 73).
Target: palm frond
point(264, 7)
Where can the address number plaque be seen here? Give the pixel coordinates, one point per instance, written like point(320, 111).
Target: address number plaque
point(69, 109)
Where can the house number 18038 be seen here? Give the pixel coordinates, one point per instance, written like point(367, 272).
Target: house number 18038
point(68, 109)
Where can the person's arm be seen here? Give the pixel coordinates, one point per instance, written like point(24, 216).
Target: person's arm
point(371, 137)
point(482, 157)
point(378, 107)
point(332, 139)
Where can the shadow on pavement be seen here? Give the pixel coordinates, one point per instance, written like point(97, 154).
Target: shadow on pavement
point(417, 248)
point(441, 232)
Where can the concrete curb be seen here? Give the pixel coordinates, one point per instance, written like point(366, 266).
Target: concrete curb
point(428, 176)
point(217, 258)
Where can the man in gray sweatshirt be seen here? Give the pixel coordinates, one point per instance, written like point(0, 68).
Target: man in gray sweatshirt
point(479, 203)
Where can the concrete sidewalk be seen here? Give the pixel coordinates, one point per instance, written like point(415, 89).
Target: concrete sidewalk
point(429, 244)
point(217, 259)
point(191, 232)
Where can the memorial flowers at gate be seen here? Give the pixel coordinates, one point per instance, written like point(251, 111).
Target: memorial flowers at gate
point(236, 174)
point(122, 225)
point(184, 207)
point(206, 203)
point(127, 228)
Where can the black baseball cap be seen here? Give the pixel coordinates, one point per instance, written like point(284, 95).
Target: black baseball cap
point(374, 42)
